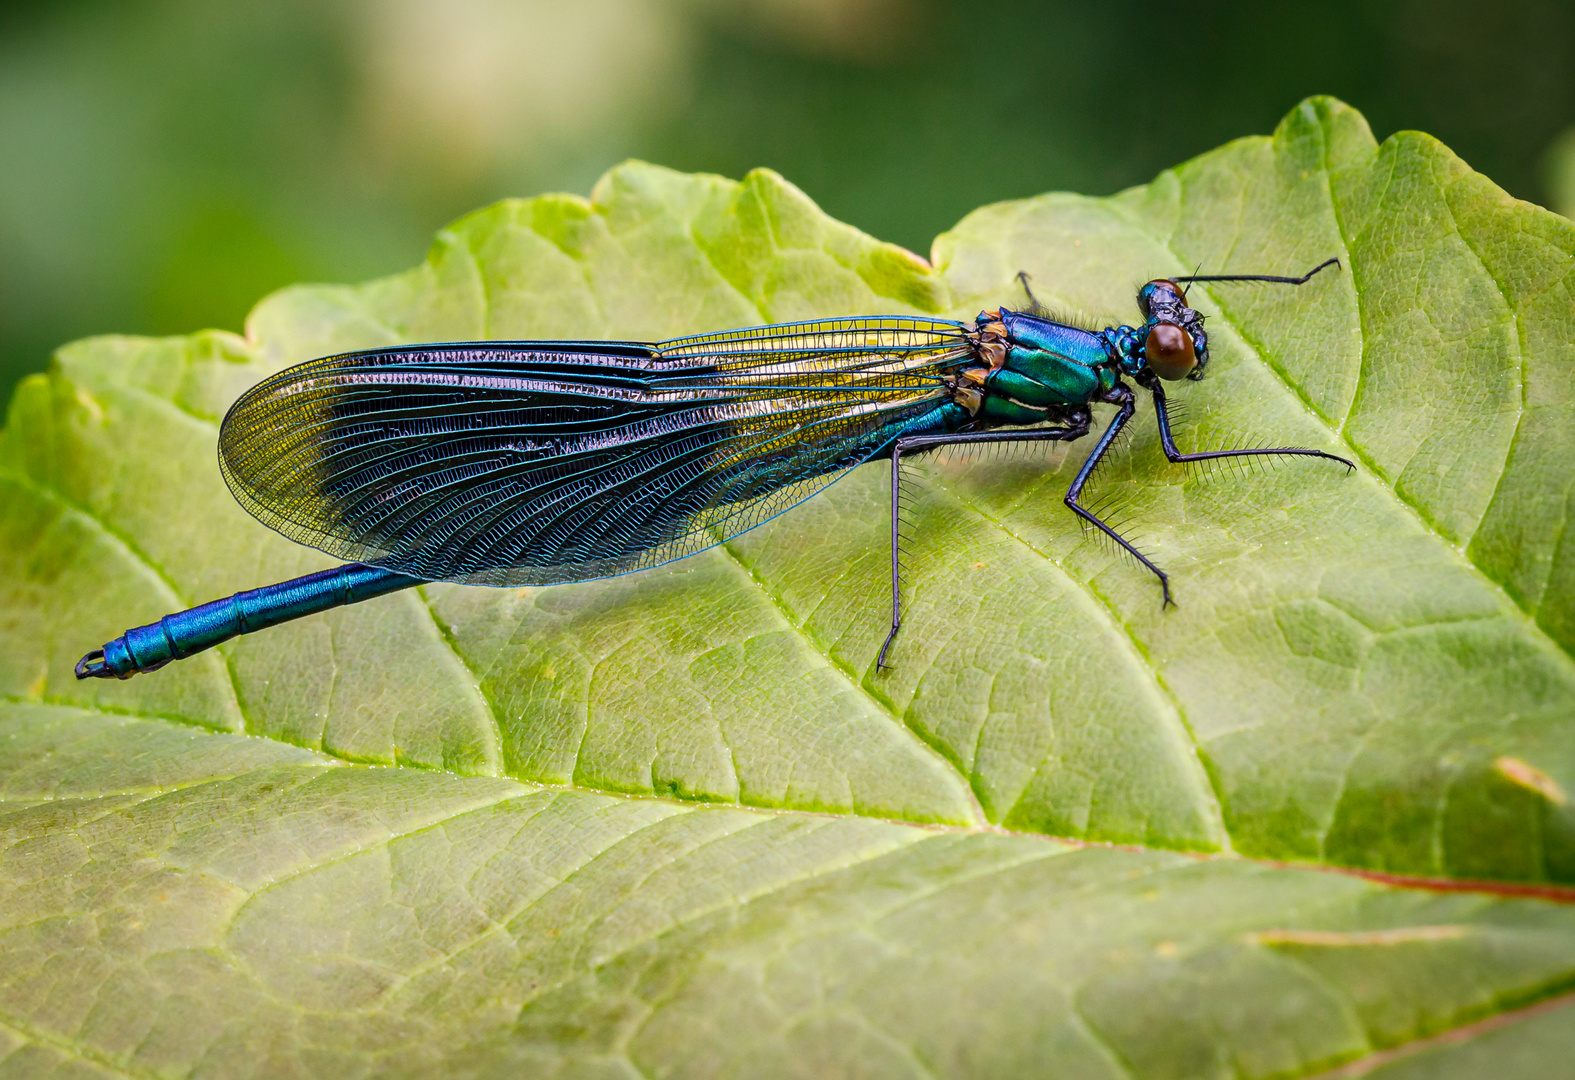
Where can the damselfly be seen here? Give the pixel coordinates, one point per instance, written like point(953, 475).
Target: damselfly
point(540, 462)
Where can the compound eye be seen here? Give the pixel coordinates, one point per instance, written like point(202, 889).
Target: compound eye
point(1168, 351)
point(1147, 295)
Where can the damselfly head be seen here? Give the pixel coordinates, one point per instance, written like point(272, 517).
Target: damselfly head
point(1173, 342)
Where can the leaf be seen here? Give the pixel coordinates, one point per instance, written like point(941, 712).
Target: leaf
point(677, 824)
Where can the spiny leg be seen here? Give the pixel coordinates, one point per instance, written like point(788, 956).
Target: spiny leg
point(1278, 279)
point(1077, 429)
point(1162, 416)
point(1121, 396)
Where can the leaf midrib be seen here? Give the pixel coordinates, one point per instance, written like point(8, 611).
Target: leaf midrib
point(1551, 892)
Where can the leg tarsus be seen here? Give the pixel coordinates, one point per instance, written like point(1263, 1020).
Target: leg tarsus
point(1090, 517)
point(880, 661)
point(1168, 443)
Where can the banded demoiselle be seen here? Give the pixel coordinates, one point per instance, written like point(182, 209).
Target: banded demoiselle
point(541, 462)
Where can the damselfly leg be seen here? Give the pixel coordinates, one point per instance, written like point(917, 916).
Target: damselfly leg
point(1162, 417)
point(1121, 396)
point(913, 443)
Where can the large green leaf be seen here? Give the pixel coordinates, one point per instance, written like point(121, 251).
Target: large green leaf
point(677, 823)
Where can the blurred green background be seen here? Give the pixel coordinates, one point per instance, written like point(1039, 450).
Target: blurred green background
point(165, 164)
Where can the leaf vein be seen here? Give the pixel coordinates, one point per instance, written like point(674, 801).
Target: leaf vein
point(131, 550)
point(1139, 653)
point(494, 753)
point(875, 703)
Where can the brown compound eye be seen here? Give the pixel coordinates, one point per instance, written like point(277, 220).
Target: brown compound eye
point(1166, 283)
point(1168, 351)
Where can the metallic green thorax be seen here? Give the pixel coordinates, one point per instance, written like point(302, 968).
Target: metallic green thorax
point(1032, 369)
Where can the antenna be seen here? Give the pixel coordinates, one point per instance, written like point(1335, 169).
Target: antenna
point(1261, 277)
